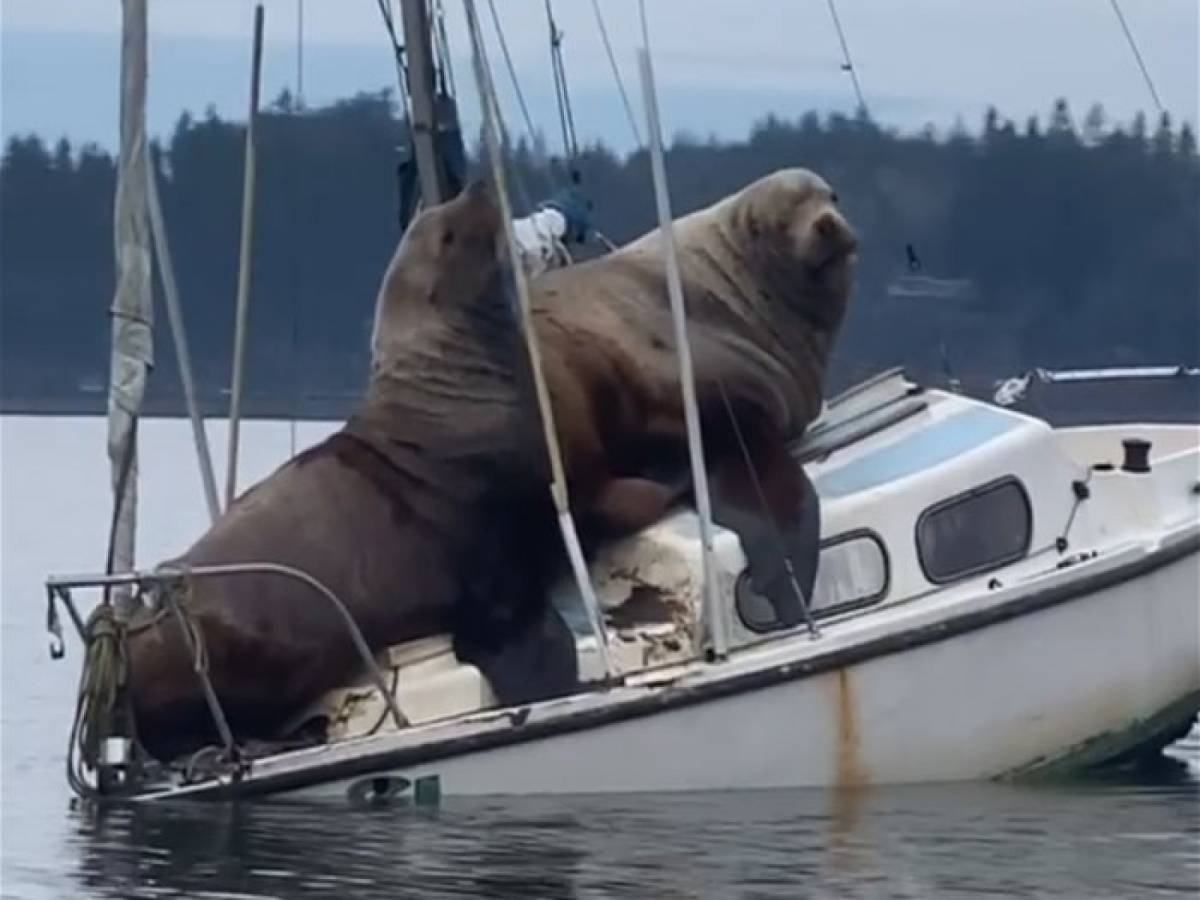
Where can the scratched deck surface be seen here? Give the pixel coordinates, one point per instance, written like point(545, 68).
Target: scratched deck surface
point(1131, 836)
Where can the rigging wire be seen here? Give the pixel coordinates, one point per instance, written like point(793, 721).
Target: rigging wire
point(294, 292)
point(446, 69)
point(508, 157)
point(562, 96)
point(512, 74)
point(389, 23)
point(1137, 54)
point(299, 53)
point(612, 61)
point(847, 62)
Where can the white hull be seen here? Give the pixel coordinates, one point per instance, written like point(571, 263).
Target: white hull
point(1076, 681)
point(972, 707)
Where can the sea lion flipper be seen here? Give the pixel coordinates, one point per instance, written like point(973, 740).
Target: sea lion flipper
point(535, 662)
point(801, 537)
point(779, 515)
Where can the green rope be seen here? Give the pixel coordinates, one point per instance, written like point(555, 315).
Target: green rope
point(103, 679)
point(102, 701)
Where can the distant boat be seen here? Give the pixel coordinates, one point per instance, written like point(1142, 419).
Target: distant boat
point(1106, 394)
point(926, 287)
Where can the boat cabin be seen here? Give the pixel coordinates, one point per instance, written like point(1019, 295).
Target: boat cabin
point(921, 491)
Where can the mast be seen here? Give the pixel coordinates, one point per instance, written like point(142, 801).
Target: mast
point(132, 342)
point(418, 45)
point(432, 118)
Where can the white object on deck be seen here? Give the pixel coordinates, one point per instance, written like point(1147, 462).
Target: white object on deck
point(540, 240)
point(428, 682)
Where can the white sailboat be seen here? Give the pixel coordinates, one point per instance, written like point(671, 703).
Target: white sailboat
point(995, 598)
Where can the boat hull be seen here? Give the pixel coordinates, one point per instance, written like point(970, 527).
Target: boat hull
point(1051, 687)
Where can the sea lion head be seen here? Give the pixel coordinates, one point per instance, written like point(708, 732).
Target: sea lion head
point(446, 261)
point(804, 247)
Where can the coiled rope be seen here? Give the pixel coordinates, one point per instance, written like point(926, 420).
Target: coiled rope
point(102, 707)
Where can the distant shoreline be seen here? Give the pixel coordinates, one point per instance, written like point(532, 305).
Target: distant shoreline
point(1116, 402)
point(315, 409)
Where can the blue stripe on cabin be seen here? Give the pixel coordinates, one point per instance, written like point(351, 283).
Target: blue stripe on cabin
point(927, 447)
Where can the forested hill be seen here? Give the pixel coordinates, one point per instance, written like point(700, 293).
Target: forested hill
point(1060, 242)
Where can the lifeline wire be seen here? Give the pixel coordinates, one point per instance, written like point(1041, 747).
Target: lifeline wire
point(563, 98)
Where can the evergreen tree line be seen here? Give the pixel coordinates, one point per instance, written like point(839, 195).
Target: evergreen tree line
point(1052, 243)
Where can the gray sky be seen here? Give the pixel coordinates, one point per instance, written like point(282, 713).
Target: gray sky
point(720, 64)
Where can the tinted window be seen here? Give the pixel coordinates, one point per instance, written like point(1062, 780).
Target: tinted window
point(975, 531)
point(852, 571)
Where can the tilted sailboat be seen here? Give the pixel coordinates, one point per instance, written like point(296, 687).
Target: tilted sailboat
point(994, 598)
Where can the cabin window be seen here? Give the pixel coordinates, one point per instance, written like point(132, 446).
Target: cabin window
point(852, 571)
point(973, 532)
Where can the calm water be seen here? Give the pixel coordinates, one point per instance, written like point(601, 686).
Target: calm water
point(1133, 836)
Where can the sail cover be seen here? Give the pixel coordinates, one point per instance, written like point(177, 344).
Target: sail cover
point(132, 344)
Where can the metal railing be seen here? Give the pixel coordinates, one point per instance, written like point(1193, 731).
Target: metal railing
point(58, 589)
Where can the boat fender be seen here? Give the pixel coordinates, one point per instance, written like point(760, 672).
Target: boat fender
point(1137, 456)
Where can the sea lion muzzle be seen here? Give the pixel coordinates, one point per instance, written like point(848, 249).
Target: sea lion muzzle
point(835, 240)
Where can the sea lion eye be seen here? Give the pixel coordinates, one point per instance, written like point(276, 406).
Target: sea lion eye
point(447, 237)
point(833, 197)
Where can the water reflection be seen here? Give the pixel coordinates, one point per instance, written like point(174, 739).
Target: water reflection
point(1132, 835)
point(287, 849)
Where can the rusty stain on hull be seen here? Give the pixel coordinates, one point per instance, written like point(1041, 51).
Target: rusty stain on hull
point(850, 780)
point(850, 772)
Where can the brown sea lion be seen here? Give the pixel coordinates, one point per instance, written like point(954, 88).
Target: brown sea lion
point(767, 274)
point(427, 512)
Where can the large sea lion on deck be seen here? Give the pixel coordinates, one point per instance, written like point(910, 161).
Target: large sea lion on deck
point(767, 273)
point(428, 512)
